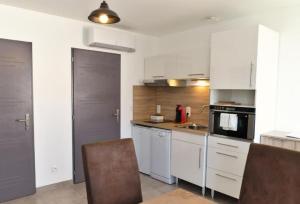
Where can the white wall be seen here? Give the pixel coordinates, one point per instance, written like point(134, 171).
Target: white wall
point(52, 38)
point(287, 22)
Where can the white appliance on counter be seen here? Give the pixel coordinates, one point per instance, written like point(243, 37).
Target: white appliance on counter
point(161, 155)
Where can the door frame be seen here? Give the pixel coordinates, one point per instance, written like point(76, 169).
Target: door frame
point(72, 101)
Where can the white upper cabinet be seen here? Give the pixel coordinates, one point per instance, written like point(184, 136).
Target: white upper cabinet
point(233, 59)
point(154, 68)
point(176, 66)
point(192, 65)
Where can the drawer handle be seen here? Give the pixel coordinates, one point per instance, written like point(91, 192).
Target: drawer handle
point(227, 145)
point(196, 74)
point(158, 76)
point(228, 155)
point(226, 177)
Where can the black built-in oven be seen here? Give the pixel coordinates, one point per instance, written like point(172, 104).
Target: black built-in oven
point(245, 121)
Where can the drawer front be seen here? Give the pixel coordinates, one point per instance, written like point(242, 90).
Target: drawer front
point(298, 146)
point(188, 137)
point(228, 161)
point(224, 182)
point(288, 144)
point(266, 140)
point(228, 144)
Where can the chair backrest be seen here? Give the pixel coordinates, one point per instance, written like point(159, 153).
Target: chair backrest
point(272, 175)
point(111, 172)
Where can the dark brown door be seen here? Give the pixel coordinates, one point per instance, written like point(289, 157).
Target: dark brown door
point(17, 175)
point(96, 101)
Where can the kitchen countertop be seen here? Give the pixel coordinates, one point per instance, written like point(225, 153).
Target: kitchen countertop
point(171, 126)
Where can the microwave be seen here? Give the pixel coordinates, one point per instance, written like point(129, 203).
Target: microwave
point(245, 127)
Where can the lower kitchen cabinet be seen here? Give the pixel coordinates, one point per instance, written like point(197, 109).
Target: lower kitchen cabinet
point(279, 139)
point(188, 157)
point(142, 142)
point(226, 161)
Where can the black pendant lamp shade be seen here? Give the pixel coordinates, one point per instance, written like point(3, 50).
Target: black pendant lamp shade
point(104, 15)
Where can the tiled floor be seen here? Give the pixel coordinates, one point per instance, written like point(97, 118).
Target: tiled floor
point(67, 193)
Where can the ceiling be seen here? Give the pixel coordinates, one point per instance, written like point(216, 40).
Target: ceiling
point(155, 17)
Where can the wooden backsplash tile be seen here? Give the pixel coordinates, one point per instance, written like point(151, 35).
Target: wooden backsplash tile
point(145, 100)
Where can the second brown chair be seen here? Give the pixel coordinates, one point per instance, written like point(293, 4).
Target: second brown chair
point(271, 176)
point(111, 173)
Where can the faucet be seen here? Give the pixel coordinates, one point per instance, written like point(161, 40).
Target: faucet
point(202, 108)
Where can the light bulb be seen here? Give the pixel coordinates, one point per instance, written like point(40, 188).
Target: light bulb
point(103, 18)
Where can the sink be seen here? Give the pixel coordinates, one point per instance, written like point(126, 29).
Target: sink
point(193, 126)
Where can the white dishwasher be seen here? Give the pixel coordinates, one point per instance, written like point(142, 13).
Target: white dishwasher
point(161, 155)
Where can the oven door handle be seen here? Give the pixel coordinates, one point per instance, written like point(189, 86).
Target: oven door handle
point(233, 112)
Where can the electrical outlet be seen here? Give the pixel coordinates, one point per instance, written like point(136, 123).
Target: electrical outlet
point(54, 169)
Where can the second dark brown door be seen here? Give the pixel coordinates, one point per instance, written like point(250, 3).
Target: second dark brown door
point(96, 101)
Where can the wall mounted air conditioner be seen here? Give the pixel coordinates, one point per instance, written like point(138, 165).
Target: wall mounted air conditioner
point(111, 39)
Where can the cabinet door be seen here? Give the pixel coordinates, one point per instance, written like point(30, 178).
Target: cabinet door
point(145, 151)
point(142, 143)
point(187, 161)
point(155, 68)
point(136, 134)
point(233, 58)
point(192, 66)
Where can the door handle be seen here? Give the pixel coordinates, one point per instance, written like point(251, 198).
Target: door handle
point(26, 121)
point(251, 70)
point(117, 114)
point(200, 151)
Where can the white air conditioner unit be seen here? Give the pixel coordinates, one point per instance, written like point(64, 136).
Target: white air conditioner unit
point(111, 39)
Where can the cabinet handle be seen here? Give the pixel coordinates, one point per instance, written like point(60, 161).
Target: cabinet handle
point(229, 178)
point(251, 69)
point(200, 150)
point(227, 145)
point(158, 76)
point(228, 155)
point(196, 74)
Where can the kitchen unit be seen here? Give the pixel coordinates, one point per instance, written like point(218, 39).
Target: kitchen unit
point(153, 149)
point(175, 66)
point(244, 69)
point(169, 146)
point(188, 157)
point(226, 160)
point(231, 132)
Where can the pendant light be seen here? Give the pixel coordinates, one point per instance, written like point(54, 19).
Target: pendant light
point(104, 15)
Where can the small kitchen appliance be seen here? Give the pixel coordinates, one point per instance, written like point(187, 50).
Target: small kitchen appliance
point(180, 114)
point(158, 117)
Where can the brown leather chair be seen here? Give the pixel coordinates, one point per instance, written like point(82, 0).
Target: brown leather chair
point(272, 176)
point(111, 173)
